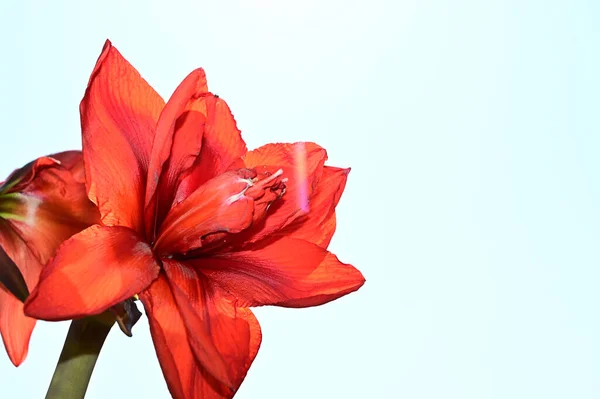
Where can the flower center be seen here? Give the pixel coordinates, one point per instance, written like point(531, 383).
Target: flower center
point(9, 207)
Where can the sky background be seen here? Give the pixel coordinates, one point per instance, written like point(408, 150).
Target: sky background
point(473, 206)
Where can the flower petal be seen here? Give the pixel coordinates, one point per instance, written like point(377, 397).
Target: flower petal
point(301, 174)
point(222, 144)
point(118, 115)
point(92, 271)
point(46, 207)
point(233, 332)
point(41, 205)
point(23, 176)
point(318, 225)
point(73, 162)
point(273, 273)
point(221, 335)
point(15, 326)
point(218, 206)
point(178, 141)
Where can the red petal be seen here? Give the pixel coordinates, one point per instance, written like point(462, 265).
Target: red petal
point(275, 274)
point(73, 162)
point(47, 206)
point(118, 115)
point(318, 225)
point(41, 205)
point(212, 324)
point(15, 327)
point(220, 205)
point(235, 334)
point(92, 271)
point(178, 141)
point(222, 144)
point(301, 174)
point(68, 159)
point(22, 177)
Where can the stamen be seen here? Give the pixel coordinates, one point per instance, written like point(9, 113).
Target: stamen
point(271, 178)
point(236, 197)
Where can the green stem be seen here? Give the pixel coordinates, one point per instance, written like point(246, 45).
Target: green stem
point(78, 358)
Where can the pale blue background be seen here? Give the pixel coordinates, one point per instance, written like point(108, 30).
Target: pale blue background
point(472, 128)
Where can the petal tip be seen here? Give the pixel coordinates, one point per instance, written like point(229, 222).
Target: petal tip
point(360, 281)
point(17, 358)
point(357, 277)
point(107, 45)
point(107, 50)
point(195, 83)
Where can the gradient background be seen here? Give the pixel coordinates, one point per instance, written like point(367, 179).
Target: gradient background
point(472, 129)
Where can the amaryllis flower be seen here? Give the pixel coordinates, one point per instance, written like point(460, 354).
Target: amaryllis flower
point(41, 205)
point(196, 225)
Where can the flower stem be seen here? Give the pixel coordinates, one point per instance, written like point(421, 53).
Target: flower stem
point(78, 358)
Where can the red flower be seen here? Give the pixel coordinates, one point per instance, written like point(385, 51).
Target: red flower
point(201, 228)
point(41, 205)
